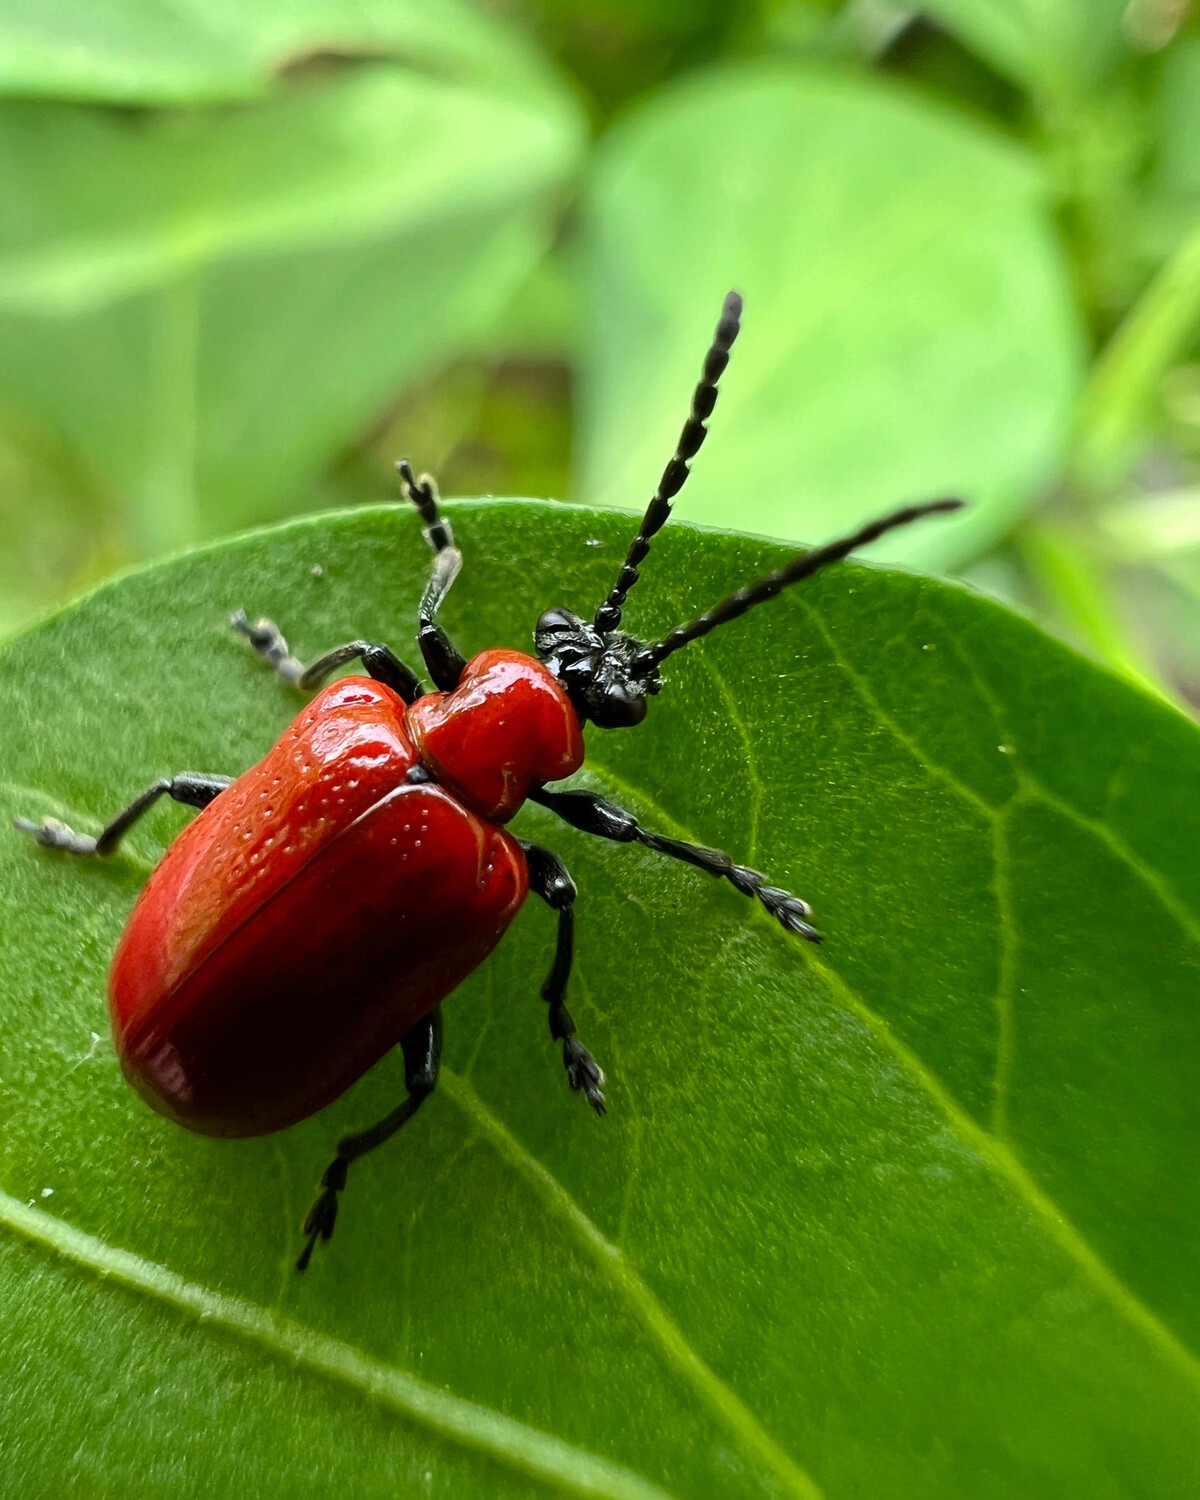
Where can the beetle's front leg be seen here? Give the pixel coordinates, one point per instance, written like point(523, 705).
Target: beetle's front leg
point(549, 879)
point(443, 660)
point(189, 787)
point(422, 1048)
point(380, 662)
point(596, 815)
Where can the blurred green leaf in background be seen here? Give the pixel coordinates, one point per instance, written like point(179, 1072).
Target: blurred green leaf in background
point(200, 308)
point(909, 326)
point(251, 253)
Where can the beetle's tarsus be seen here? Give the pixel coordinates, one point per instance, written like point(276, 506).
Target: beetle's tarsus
point(264, 635)
point(270, 643)
point(51, 834)
point(321, 1218)
point(318, 1226)
point(789, 911)
point(584, 1073)
point(422, 1048)
point(773, 897)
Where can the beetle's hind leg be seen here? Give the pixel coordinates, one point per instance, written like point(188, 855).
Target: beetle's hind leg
point(380, 662)
point(549, 879)
point(189, 787)
point(422, 1048)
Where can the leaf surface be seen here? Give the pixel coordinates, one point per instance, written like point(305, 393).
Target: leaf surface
point(913, 1214)
point(909, 330)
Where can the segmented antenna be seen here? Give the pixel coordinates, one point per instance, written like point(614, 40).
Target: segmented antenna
point(767, 587)
point(704, 398)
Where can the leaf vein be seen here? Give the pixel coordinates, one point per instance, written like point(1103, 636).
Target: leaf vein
point(539, 1455)
point(1006, 1022)
point(734, 716)
point(885, 721)
point(1037, 791)
point(728, 1408)
point(753, 778)
point(1003, 1160)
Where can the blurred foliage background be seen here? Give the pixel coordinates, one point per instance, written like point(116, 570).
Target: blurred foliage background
point(251, 251)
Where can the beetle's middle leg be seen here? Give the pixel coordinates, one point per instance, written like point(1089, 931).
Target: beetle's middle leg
point(380, 662)
point(422, 1048)
point(549, 879)
point(189, 787)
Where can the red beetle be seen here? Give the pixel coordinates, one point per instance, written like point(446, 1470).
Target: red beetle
point(323, 904)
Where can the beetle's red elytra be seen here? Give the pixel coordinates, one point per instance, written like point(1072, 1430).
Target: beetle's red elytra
point(323, 904)
point(322, 874)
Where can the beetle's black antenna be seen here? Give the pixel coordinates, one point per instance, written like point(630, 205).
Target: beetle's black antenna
point(704, 398)
point(767, 587)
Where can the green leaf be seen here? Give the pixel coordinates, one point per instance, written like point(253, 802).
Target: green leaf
point(168, 52)
point(911, 1215)
point(1060, 48)
point(1178, 165)
point(202, 309)
point(909, 326)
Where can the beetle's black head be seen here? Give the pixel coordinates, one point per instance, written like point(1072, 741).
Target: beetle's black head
point(597, 669)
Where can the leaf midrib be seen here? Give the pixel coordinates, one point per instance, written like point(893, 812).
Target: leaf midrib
point(541, 1456)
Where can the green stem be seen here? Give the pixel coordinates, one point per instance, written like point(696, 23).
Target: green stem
point(1125, 377)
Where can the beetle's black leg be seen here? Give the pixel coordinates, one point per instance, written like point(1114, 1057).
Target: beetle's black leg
point(443, 660)
point(422, 1048)
point(189, 787)
point(592, 814)
point(381, 663)
point(548, 878)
